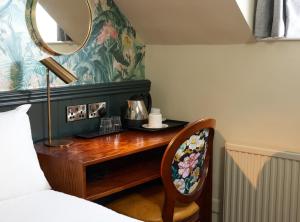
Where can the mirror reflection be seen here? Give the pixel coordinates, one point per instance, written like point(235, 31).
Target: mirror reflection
point(62, 26)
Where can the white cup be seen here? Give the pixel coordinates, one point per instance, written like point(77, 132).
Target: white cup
point(155, 120)
point(155, 110)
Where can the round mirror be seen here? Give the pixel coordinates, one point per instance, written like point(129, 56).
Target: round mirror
point(61, 27)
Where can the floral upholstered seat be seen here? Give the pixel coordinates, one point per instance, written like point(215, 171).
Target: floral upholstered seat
point(188, 162)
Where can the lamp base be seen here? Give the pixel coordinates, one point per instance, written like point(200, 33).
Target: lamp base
point(59, 143)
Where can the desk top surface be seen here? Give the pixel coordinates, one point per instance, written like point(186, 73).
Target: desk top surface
point(100, 149)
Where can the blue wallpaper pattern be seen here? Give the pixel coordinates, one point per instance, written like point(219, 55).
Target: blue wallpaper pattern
point(113, 53)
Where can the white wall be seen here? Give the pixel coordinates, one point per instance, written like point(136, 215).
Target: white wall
point(252, 90)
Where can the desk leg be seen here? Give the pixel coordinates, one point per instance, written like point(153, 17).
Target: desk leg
point(205, 201)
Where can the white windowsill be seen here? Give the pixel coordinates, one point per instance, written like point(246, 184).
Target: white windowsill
point(277, 39)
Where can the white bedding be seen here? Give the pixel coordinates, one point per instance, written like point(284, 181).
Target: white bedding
point(52, 206)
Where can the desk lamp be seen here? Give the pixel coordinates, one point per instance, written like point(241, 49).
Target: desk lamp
point(67, 78)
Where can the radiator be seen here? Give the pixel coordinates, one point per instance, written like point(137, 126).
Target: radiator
point(261, 185)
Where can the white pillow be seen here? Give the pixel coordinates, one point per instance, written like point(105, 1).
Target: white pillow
point(20, 172)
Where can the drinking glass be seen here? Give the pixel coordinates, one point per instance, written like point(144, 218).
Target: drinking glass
point(116, 123)
point(105, 125)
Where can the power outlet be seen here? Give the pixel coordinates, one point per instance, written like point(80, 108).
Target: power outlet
point(75, 113)
point(97, 110)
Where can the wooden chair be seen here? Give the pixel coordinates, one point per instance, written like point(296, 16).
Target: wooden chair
point(184, 169)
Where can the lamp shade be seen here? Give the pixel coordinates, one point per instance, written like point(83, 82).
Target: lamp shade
point(61, 72)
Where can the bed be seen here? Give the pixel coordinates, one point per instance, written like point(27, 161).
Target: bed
point(25, 194)
point(52, 206)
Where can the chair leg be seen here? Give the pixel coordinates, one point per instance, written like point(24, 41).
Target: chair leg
point(168, 210)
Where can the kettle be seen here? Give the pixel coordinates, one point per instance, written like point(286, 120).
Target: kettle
point(137, 112)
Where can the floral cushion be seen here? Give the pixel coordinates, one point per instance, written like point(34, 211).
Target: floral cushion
point(188, 162)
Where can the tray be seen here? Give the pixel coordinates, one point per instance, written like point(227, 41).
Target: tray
point(91, 135)
point(171, 124)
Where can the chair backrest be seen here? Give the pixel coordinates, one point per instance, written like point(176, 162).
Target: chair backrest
point(185, 164)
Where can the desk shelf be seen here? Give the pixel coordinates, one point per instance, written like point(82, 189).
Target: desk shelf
point(119, 178)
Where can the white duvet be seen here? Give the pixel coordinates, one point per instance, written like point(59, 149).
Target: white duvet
point(52, 206)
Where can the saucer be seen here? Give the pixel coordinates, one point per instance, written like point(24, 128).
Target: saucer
point(162, 127)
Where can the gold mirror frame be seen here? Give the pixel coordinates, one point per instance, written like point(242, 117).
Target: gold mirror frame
point(32, 27)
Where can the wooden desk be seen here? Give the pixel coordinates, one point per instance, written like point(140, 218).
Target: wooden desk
point(96, 168)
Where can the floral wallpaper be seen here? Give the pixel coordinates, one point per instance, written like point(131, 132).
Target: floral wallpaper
point(113, 52)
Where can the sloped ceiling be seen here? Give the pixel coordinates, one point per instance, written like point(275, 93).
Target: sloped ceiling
point(187, 21)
